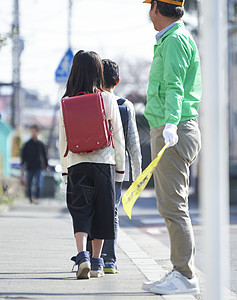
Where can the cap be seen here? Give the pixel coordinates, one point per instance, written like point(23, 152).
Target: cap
point(180, 3)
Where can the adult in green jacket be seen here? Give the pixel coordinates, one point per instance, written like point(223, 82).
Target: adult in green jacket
point(173, 98)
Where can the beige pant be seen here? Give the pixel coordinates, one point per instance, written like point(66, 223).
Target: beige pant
point(171, 179)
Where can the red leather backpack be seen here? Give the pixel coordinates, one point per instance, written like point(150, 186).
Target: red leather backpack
point(86, 126)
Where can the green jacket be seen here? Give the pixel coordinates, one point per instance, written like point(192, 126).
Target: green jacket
point(174, 90)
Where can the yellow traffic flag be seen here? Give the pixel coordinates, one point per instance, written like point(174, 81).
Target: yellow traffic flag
point(135, 189)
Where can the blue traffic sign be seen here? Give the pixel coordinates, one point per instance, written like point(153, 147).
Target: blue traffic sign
point(64, 67)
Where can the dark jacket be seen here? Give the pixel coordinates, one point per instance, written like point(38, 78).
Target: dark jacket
point(33, 155)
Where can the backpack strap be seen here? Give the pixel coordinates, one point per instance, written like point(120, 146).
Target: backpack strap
point(110, 127)
point(121, 101)
point(66, 152)
point(123, 109)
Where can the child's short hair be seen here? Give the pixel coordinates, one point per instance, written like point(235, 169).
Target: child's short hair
point(35, 127)
point(111, 73)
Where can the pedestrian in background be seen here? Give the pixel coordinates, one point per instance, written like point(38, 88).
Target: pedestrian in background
point(173, 98)
point(132, 150)
point(34, 160)
point(91, 177)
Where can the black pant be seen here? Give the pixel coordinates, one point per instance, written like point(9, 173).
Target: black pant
point(90, 199)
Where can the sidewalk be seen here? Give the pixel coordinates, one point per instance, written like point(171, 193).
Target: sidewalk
point(37, 243)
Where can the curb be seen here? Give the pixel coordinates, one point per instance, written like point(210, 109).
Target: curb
point(145, 264)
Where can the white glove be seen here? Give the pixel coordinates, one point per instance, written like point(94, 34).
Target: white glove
point(65, 179)
point(170, 134)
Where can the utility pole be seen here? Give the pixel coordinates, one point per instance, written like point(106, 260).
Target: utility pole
point(69, 22)
point(215, 151)
point(15, 105)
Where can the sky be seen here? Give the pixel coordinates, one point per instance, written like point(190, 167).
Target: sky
point(113, 28)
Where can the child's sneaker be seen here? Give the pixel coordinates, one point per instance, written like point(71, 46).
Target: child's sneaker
point(73, 258)
point(97, 265)
point(110, 267)
point(84, 266)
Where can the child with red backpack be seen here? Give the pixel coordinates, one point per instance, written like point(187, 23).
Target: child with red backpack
point(91, 175)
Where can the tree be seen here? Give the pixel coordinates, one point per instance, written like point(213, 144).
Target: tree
point(134, 77)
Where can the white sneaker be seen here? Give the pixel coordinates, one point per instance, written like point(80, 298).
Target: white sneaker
point(176, 283)
point(147, 285)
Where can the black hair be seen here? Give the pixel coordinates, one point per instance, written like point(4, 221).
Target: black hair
point(169, 10)
point(35, 127)
point(111, 73)
point(86, 74)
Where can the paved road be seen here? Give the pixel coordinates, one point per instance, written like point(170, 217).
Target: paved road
point(37, 243)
